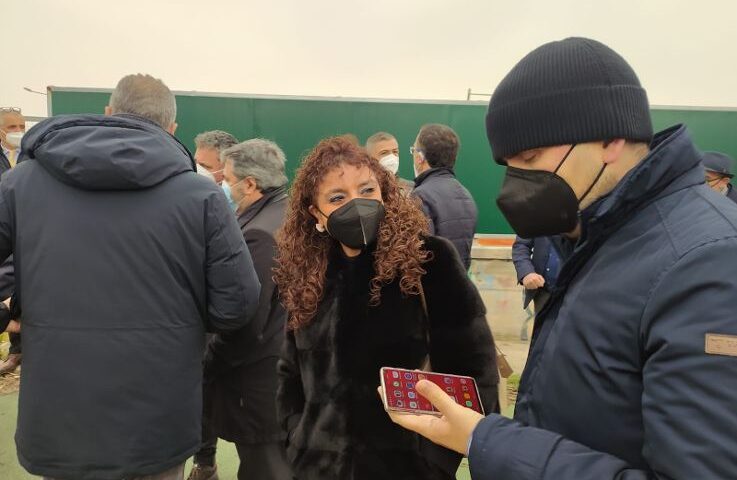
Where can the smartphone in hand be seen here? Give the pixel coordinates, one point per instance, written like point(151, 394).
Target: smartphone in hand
point(398, 386)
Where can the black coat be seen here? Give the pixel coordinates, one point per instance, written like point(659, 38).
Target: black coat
point(329, 370)
point(449, 208)
point(122, 255)
point(241, 380)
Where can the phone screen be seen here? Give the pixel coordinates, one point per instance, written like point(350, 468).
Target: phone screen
point(400, 394)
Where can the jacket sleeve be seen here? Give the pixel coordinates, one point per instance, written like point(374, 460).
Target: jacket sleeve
point(232, 284)
point(522, 257)
point(290, 397)
point(226, 352)
point(460, 339)
point(688, 394)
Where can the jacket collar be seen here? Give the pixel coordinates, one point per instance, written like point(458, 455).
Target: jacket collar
point(270, 196)
point(439, 172)
point(672, 165)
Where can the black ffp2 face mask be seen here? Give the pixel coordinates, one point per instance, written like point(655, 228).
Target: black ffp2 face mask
point(538, 203)
point(356, 224)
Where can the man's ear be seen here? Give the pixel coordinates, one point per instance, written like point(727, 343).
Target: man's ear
point(250, 184)
point(613, 150)
point(108, 110)
point(172, 128)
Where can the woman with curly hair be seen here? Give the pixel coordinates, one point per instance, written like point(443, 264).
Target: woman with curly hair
point(365, 286)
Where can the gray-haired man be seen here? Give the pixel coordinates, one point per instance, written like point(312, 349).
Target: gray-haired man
point(240, 372)
point(383, 146)
point(209, 147)
point(133, 257)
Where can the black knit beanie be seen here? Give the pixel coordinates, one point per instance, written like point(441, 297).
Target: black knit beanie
point(572, 91)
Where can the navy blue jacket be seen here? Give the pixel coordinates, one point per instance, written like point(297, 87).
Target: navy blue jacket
point(618, 384)
point(531, 256)
point(449, 208)
point(123, 255)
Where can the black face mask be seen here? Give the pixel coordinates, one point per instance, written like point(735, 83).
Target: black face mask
point(356, 224)
point(538, 203)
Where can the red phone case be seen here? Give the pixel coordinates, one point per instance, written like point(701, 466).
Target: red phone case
point(400, 395)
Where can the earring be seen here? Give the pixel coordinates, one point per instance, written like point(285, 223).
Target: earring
point(320, 227)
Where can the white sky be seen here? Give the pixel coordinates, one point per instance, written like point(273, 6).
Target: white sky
point(683, 50)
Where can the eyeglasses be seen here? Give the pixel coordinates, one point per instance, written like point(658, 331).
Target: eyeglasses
point(9, 109)
point(413, 150)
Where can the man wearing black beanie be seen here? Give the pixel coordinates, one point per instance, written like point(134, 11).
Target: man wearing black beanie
point(631, 371)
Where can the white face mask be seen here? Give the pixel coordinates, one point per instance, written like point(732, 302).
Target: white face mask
point(390, 163)
point(13, 138)
point(205, 172)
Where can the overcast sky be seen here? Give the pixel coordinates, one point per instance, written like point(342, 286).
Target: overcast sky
point(683, 50)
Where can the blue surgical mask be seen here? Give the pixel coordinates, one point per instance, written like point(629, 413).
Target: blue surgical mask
point(229, 195)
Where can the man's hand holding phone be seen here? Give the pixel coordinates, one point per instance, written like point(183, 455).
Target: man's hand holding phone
point(452, 429)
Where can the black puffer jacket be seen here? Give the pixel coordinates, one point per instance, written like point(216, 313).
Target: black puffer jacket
point(122, 255)
point(329, 370)
point(450, 209)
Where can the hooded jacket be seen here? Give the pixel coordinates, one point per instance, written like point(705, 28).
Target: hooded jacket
point(123, 256)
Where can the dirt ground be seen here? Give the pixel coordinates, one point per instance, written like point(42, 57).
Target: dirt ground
point(10, 383)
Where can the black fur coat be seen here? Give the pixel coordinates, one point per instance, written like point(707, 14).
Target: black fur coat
point(329, 370)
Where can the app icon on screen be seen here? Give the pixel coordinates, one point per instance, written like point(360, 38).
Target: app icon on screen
point(412, 404)
point(397, 384)
point(463, 381)
point(449, 389)
point(395, 374)
point(408, 376)
point(400, 403)
point(448, 380)
point(469, 403)
point(410, 385)
point(464, 388)
point(421, 376)
point(412, 395)
point(467, 396)
point(397, 393)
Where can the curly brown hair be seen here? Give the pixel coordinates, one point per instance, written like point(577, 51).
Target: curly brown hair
point(302, 256)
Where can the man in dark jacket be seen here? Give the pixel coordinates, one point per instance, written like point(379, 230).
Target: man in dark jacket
point(718, 176)
point(384, 148)
point(13, 123)
point(209, 145)
point(123, 257)
point(537, 263)
point(447, 204)
point(240, 373)
point(12, 128)
point(631, 370)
